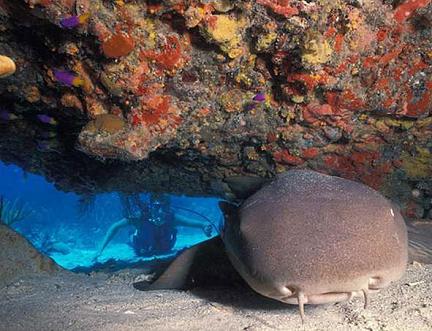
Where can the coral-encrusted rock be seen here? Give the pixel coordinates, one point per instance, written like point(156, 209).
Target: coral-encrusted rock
point(220, 89)
point(111, 140)
point(105, 123)
point(20, 259)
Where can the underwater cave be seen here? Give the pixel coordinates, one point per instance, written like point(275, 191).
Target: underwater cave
point(90, 233)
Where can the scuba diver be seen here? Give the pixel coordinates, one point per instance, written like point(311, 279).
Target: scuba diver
point(155, 225)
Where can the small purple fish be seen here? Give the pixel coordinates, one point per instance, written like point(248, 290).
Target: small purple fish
point(46, 119)
point(4, 115)
point(249, 106)
point(67, 78)
point(64, 77)
point(48, 134)
point(7, 116)
point(260, 97)
point(73, 21)
point(44, 146)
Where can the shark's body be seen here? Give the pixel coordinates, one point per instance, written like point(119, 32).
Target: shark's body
point(310, 238)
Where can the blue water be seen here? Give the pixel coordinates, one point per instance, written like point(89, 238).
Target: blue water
point(56, 225)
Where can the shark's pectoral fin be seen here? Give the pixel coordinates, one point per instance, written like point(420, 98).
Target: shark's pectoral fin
point(175, 276)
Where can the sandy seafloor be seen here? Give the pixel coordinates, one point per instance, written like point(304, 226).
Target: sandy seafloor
point(109, 302)
point(83, 257)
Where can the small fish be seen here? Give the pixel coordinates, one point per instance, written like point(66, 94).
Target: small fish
point(68, 78)
point(7, 116)
point(46, 119)
point(48, 134)
point(42, 146)
point(249, 106)
point(73, 21)
point(260, 97)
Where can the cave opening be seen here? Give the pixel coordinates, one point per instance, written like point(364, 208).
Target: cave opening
point(104, 232)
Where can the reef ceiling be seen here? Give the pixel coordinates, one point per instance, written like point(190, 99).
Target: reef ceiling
point(204, 97)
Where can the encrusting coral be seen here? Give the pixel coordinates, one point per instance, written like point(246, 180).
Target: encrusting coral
point(7, 66)
point(221, 89)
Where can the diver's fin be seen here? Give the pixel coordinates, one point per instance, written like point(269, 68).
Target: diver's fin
point(175, 276)
point(420, 242)
point(244, 186)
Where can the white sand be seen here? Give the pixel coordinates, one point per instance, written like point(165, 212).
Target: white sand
point(101, 302)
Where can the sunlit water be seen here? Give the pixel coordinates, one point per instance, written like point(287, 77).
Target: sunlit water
point(56, 224)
